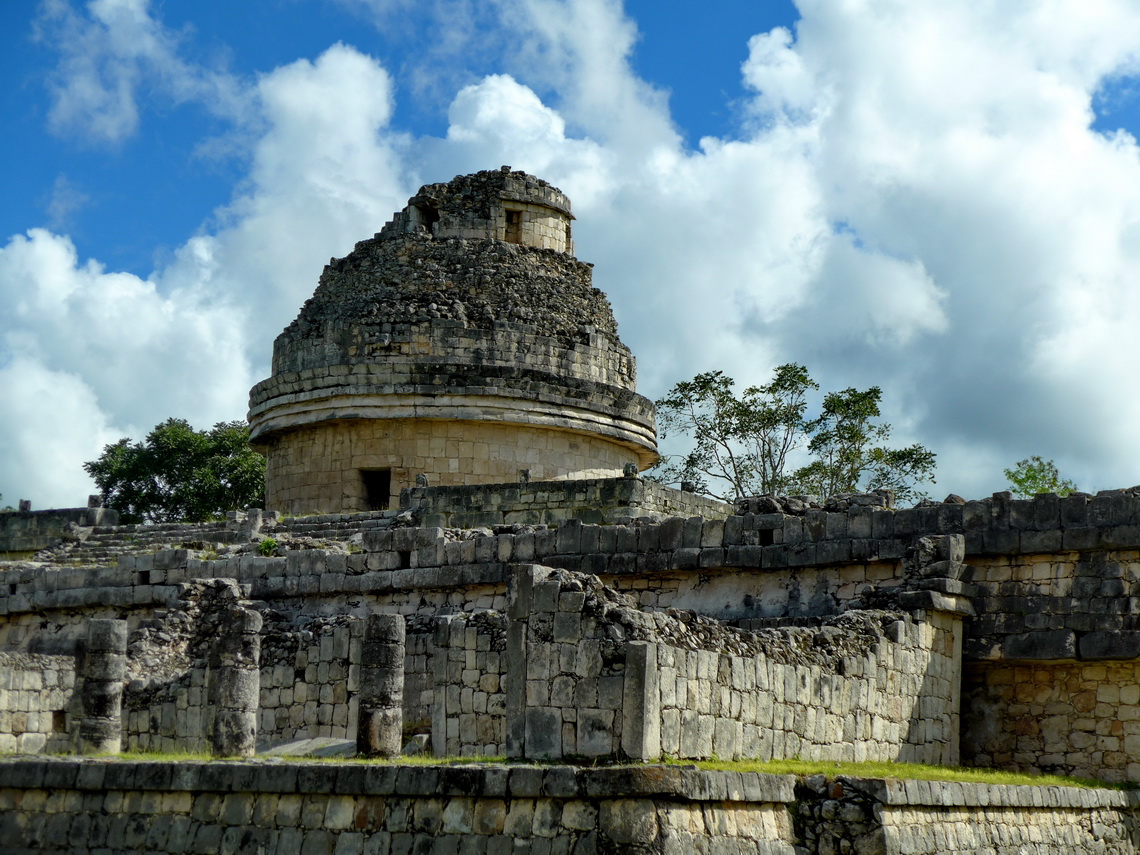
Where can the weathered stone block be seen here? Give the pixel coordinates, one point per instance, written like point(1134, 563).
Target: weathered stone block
point(1052, 644)
point(1110, 645)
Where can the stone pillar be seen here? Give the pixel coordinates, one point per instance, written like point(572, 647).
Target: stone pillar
point(380, 724)
point(641, 703)
point(103, 670)
point(236, 662)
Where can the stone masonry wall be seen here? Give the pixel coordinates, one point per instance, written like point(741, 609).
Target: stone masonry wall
point(1067, 718)
point(1063, 605)
point(310, 678)
point(25, 532)
point(87, 806)
point(896, 817)
point(895, 699)
point(39, 708)
point(318, 468)
point(604, 679)
point(598, 500)
point(81, 807)
point(471, 671)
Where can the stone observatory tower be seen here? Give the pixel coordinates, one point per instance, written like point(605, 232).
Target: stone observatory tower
point(463, 343)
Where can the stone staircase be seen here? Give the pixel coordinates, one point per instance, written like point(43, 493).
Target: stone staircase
point(102, 545)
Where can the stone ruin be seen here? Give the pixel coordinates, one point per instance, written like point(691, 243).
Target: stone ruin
point(579, 621)
point(463, 344)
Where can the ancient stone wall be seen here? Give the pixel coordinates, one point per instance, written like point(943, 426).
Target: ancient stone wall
point(82, 806)
point(86, 807)
point(310, 678)
point(39, 708)
point(604, 679)
point(741, 569)
point(1067, 718)
point(597, 500)
point(26, 532)
point(898, 817)
point(317, 468)
point(471, 671)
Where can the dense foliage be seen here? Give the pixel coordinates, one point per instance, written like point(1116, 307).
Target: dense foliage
point(1034, 475)
point(179, 474)
point(744, 445)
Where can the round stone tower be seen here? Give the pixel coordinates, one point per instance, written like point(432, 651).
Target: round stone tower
point(463, 343)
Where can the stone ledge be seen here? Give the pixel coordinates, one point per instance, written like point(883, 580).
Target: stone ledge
point(685, 783)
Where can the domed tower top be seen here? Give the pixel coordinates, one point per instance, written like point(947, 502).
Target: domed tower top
point(502, 205)
point(463, 343)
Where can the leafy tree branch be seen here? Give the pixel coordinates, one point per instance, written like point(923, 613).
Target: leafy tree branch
point(743, 446)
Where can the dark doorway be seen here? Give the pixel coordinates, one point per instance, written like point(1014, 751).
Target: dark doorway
point(377, 488)
point(514, 227)
point(426, 216)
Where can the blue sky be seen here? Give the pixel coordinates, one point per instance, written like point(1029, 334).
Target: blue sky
point(937, 198)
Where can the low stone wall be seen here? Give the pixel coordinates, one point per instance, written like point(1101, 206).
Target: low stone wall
point(597, 500)
point(39, 709)
point(1067, 718)
point(865, 686)
point(603, 679)
point(471, 672)
point(27, 532)
point(111, 807)
point(895, 817)
point(310, 678)
point(91, 806)
point(169, 715)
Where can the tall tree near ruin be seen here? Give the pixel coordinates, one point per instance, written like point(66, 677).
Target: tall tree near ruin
point(179, 474)
point(746, 445)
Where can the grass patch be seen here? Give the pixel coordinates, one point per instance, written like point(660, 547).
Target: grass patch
point(184, 756)
point(902, 771)
point(799, 768)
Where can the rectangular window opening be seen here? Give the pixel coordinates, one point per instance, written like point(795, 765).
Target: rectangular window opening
point(59, 721)
point(377, 488)
point(514, 227)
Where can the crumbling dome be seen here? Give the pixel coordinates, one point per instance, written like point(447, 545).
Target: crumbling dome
point(464, 343)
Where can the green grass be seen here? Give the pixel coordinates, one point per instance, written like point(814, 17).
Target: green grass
point(902, 771)
point(799, 768)
point(181, 756)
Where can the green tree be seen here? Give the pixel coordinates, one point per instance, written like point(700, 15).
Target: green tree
point(179, 474)
point(742, 445)
point(846, 442)
point(1034, 475)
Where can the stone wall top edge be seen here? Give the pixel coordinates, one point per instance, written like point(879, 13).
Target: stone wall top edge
point(942, 794)
point(523, 781)
point(490, 780)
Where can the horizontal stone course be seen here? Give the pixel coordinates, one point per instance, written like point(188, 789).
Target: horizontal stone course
point(82, 806)
point(301, 777)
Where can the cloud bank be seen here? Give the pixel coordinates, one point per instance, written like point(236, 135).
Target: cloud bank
point(914, 198)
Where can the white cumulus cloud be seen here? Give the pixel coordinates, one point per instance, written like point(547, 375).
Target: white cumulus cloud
point(914, 198)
